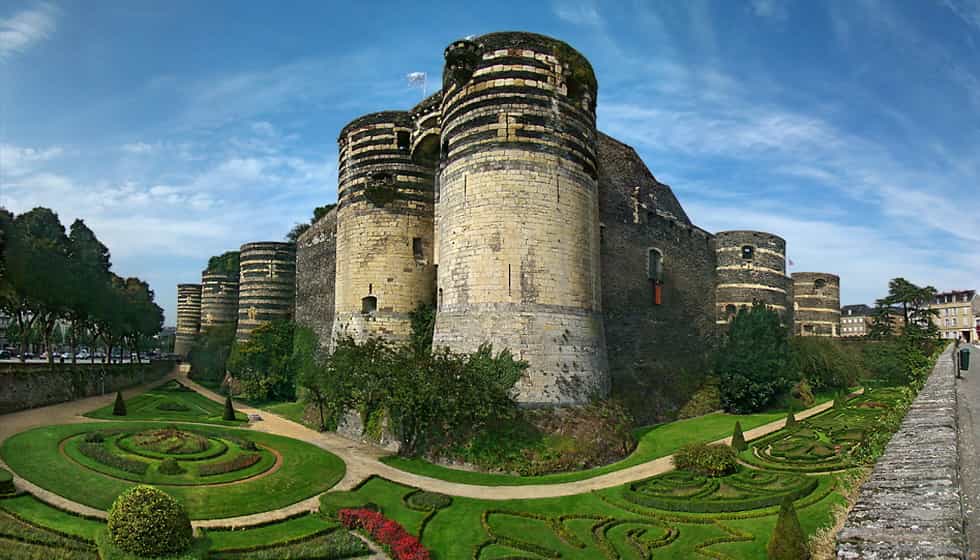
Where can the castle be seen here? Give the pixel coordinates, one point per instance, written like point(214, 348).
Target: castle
point(497, 201)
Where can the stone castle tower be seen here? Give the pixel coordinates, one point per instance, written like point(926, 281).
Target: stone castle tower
point(816, 303)
point(518, 212)
point(751, 267)
point(188, 317)
point(267, 285)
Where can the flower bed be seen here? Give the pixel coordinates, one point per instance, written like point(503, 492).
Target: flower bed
point(400, 544)
point(236, 464)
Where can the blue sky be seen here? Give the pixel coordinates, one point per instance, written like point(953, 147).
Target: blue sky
point(182, 129)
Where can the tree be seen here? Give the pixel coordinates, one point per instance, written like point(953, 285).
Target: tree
point(208, 356)
point(913, 299)
point(752, 363)
point(738, 438)
point(881, 321)
point(423, 327)
point(788, 541)
point(261, 365)
point(790, 420)
point(229, 410)
point(295, 233)
point(119, 407)
point(89, 263)
point(225, 263)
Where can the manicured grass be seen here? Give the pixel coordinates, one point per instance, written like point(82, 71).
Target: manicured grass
point(653, 442)
point(148, 407)
point(306, 471)
point(290, 410)
point(268, 535)
point(48, 517)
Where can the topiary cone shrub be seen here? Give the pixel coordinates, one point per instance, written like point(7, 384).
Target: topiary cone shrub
point(790, 420)
point(119, 407)
point(738, 438)
point(229, 410)
point(148, 522)
point(788, 541)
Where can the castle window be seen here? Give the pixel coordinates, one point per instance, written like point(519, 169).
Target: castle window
point(417, 251)
point(819, 283)
point(655, 265)
point(730, 310)
point(402, 138)
point(369, 304)
point(748, 252)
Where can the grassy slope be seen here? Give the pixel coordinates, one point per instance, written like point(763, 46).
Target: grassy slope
point(289, 530)
point(306, 471)
point(144, 407)
point(45, 516)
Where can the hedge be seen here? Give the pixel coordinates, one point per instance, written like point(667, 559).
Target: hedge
point(332, 502)
point(718, 505)
point(6, 482)
point(98, 452)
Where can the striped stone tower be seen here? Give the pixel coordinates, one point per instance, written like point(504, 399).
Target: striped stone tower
point(219, 299)
point(188, 317)
point(518, 212)
point(385, 265)
point(751, 267)
point(267, 285)
point(816, 304)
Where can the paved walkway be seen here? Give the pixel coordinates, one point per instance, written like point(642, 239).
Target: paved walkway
point(362, 460)
point(968, 413)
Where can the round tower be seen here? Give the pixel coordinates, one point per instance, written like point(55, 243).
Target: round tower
point(385, 217)
point(188, 317)
point(518, 212)
point(219, 299)
point(267, 285)
point(751, 267)
point(816, 304)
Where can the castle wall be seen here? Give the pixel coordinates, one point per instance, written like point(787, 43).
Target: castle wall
point(816, 304)
point(219, 300)
point(518, 212)
point(316, 273)
point(188, 317)
point(656, 350)
point(384, 265)
point(267, 285)
point(751, 267)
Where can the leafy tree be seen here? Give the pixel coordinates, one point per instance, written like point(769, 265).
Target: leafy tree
point(753, 361)
point(881, 321)
point(295, 233)
point(738, 438)
point(912, 298)
point(89, 262)
point(208, 356)
point(225, 263)
point(423, 327)
point(229, 413)
point(262, 364)
point(119, 407)
point(788, 541)
point(320, 211)
point(790, 420)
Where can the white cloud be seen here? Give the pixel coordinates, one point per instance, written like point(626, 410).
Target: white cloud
point(770, 9)
point(577, 13)
point(17, 160)
point(22, 30)
point(139, 148)
point(966, 10)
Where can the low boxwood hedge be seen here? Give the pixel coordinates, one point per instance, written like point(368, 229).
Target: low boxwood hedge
point(6, 482)
point(718, 505)
point(332, 502)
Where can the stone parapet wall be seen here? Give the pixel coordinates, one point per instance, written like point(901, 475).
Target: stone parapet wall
point(24, 386)
point(911, 506)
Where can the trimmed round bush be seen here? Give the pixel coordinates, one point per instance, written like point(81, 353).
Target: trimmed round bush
point(170, 466)
point(429, 501)
point(707, 460)
point(147, 522)
point(332, 502)
point(94, 437)
point(6, 482)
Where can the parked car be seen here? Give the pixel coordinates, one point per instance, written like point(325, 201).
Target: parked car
point(27, 356)
point(83, 355)
point(6, 355)
point(99, 355)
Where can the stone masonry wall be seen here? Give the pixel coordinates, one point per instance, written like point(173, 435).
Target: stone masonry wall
point(24, 386)
point(911, 507)
point(751, 267)
point(267, 285)
point(316, 272)
point(816, 304)
point(656, 351)
point(188, 317)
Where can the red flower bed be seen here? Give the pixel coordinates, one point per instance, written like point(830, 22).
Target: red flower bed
point(401, 544)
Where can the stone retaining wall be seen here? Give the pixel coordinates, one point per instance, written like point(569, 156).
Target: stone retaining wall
point(24, 386)
point(910, 507)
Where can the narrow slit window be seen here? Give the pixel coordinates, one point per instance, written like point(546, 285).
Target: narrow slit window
point(402, 138)
point(655, 273)
point(748, 252)
point(417, 250)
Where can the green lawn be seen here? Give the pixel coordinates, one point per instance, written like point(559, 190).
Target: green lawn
point(156, 404)
point(306, 471)
point(47, 517)
point(276, 533)
point(653, 442)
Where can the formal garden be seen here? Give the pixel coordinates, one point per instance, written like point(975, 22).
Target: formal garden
point(153, 465)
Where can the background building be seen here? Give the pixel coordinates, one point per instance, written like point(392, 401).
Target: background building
point(957, 314)
point(855, 320)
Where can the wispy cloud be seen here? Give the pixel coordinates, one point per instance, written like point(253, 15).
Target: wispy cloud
point(577, 12)
point(22, 30)
point(771, 9)
point(966, 10)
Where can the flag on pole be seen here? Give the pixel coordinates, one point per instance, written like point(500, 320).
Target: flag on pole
point(791, 263)
point(417, 79)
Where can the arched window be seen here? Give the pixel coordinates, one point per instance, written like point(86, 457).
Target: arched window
point(819, 283)
point(730, 310)
point(655, 265)
point(748, 252)
point(369, 304)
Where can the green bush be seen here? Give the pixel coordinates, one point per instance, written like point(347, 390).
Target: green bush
point(790, 420)
point(148, 522)
point(170, 466)
point(98, 452)
point(332, 502)
point(229, 413)
point(788, 541)
point(752, 363)
point(824, 362)
point(707, 460)
point(6, 482)
point(94, 437)
point(428, 501)
point(171, 406)
point(119, 407)
point(705, 400)
point(738, 438)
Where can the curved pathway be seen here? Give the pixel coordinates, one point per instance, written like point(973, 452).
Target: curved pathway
point(362, 460)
